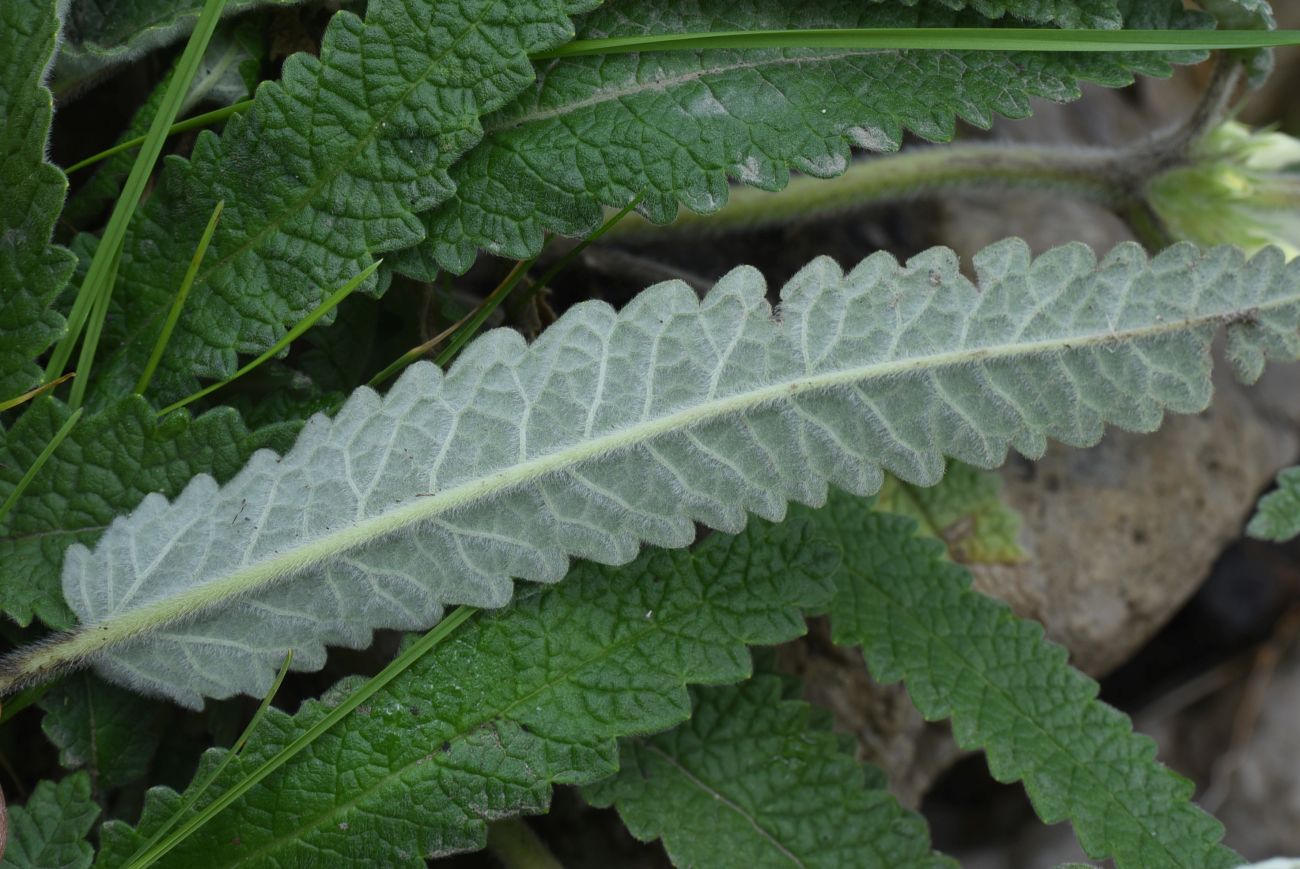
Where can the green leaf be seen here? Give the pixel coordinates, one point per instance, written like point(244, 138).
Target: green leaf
point(677, 126)
point(32, 271)
point(105, 467)
point(109, 732)
point(965, 510)
point(616, 429)
point(51, 829)
point(218, 80)
point(1246, 15)
point(1097, 14)
point(755, 779)
point(99, 34)
point(1278, 517)
point(966, 657)
point(514, 702)
point(324, 171)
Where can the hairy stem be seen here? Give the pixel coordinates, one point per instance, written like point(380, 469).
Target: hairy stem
point(1089, 173)
point(1113, 177)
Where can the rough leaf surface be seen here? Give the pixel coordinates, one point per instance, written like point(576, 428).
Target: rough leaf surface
point(106, 730)
point(966, 657)
point(755, 778)
point(621, 428)
point(32, 271)
point(677, 126)
point(1278, 517)
point(51, 829)
point(325, 171)
point(105, 467)
point(514, 702)
point(1098, 14)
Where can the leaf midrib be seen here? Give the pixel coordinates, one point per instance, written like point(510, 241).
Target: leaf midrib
point(466, 730)
point(137, 623)
point(322, 180)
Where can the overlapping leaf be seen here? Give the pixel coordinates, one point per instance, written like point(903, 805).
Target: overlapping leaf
point(966, 657)
point(965, 511)
point(32, 271)
point(327, 169)
point(1278, 517)
point(98, 34)
point(616, 429)
point(485, 724)
point(676, 126)
point(755, 778)
point(107, 465)
point(51, 829)
point(105, 730)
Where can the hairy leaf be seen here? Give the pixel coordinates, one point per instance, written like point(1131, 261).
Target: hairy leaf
point(1246, 15)
point(676, 126)
point(965, 511)
point(98, 34)
point(109, 732)
point(325, 170)
point(618, 428)
point(516, 701)
point(1278, 517)
point(105, 467)
point(755, 779)
point(966, 657)
point(32, 271)
point(51, 829)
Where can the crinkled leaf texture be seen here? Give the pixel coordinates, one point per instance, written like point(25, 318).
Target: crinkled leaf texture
point(964, 656)
point(675, 126)
point(514, 702)
point(32, 271)
point(1278, 517)
point(51, 829)
point(104, 468)
point(110, 732)
point(326, 170)
point(1247, 15)
point(755, 778)
point(1098, 14)
point(621, 428)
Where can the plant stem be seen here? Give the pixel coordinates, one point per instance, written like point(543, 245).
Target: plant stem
point(1089, 173)
point(515, 844)
point(1113, 177)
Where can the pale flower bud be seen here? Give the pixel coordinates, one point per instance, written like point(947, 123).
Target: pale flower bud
point(1242, 188)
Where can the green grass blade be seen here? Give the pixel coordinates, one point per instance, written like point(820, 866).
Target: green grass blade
point(470, 329)
point(408, 657)
point(564, 261)
point(945, 38)
point(174, 314)
point(225, 761)
point(289, 337)
point(17, 491)
point(94, 328)
point(31, 394)
point(464, 330)
point(206, 119)
point(98, 283)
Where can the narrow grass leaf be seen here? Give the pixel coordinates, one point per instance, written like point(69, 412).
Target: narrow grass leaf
point(17, 491)
point(288, 338)
point(174, 314)
point(934, 39)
